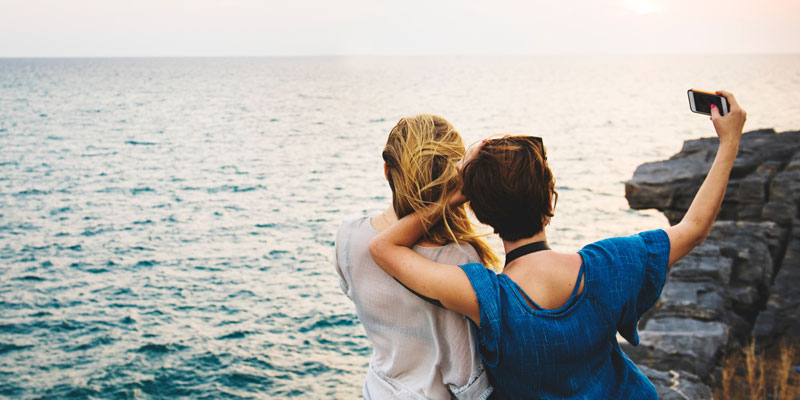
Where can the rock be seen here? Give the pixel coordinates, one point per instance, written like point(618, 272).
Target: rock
point(781, 213)
point(781, 318)
point(677, 385)
point(765, 145)
point(697, 300)
point(750, 245)
point(714, 296)
point(704, 263)
point(670, 185)
point(665, 184)
point(679, 344)
point(751, 193)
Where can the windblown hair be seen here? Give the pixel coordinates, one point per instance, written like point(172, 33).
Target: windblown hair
point(510, 186)
point(421, 155)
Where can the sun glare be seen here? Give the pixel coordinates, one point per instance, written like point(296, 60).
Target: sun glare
point(643, 7)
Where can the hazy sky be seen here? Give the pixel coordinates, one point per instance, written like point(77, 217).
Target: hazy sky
point(407, 27)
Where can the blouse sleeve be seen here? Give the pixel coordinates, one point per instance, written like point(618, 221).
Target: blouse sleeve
point(487, 290)
point(649, 273)
point(340, 247)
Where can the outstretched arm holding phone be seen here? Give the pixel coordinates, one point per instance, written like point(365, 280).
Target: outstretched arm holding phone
point(696, 224)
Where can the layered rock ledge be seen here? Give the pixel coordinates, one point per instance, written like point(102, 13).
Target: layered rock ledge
point(743, 282)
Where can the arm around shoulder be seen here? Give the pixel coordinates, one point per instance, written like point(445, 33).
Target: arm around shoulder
point(447, 283)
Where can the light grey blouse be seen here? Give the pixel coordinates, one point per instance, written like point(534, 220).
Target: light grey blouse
point(420, 351)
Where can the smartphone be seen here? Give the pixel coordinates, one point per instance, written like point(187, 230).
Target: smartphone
point(700, 102)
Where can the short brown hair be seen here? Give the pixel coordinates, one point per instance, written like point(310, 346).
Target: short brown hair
point(510, 186)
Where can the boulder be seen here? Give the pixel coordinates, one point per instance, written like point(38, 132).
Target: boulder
point(751, 194)
point(670, 185)
point(677, 385)
point(781, 318)
point(704, 263)
point(697, 300)
point(752, 247)
point(679, 344)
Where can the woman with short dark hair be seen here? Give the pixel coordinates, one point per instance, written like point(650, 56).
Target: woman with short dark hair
point(547, 325)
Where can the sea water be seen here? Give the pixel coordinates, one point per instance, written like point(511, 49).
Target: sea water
point(167, 225)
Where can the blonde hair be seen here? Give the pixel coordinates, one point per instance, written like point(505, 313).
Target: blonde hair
point(421, 155)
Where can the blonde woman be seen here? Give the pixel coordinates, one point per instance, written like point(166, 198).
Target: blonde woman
point(420, 350)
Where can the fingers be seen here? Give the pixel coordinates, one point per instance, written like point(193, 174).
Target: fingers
point(714, 112)
point(729, 96)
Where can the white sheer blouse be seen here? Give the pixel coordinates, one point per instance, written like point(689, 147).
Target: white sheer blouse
point(420, 351)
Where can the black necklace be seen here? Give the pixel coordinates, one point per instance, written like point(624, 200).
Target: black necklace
point(525, 250)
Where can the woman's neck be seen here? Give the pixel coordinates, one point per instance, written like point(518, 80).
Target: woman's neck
point(384, 220)
point(511, 245)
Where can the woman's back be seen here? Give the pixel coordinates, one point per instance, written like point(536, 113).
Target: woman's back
point(419, 350)
point(572, 351)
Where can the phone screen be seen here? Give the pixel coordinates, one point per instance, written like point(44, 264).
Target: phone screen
point(703, 102)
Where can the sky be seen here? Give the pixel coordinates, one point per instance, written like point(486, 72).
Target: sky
point(108, 28)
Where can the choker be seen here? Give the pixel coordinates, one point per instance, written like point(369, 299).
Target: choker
point(525, 250)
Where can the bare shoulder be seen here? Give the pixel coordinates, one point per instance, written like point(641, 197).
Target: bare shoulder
point(549, 279)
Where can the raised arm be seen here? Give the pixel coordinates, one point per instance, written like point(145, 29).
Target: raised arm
point(696, 224)
point(446, 283)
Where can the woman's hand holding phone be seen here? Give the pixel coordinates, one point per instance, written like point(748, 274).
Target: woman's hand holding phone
point(729, 127)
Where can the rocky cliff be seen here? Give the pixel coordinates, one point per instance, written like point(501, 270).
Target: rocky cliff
point(744, 281)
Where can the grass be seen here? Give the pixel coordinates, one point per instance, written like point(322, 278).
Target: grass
point(750, 374)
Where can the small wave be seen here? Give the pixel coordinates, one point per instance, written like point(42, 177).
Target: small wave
point(67, 391)
point(94, 343)
point(32, 192)
point(146, 263)
point(88, 232)
point(314, 368)
point(378, 120)
point(331, 321)
point(143, 222)
point(136, 191)
point(90, 155)
point(41, 314)
point(9, 347)
point(155, 348)
point(61, 210)
point(243, 380)
point(236, 335)
point(29, 248)
point(235, 188)
point(65, 326)
point(34, 278)
point(265, 225)
point(137, 143)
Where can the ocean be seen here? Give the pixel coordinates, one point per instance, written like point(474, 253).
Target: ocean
point(167, 225)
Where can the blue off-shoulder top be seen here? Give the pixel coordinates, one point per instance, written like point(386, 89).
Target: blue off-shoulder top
point(572, 352)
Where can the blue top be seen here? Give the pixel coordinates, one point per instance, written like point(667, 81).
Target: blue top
point(572, 352)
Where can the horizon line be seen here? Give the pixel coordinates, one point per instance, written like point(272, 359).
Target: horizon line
point(421, 55)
